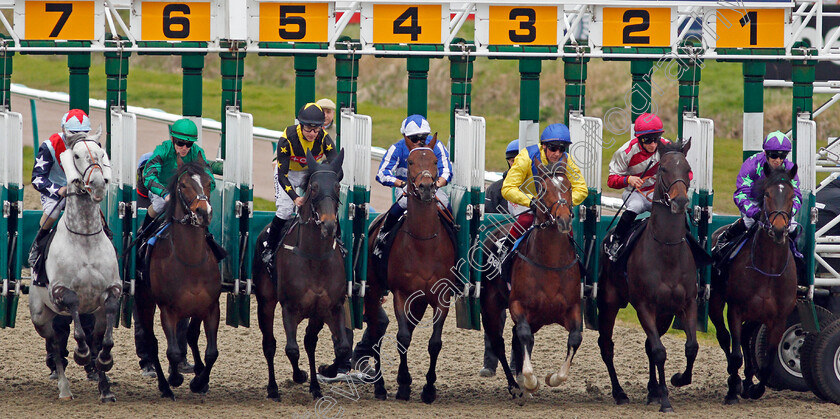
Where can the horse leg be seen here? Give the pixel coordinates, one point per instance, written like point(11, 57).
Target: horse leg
point(435, 344)
point(574, 341)
point(68, 300)
point(750, 362)
point(525, 340)
point(735, 358)
point(716, 304)
point(653, 384)
point(775, 329)
point(404, 332)
point(656, 356)
point(491, 316)
point(310, 342)
point(336, 324)
point(104, 362)
point(201, 382)
point(169, 324)
point(146, 315)
point(265, 317)
point(372, 308)
point(64, 392)
point(193, 332)
point(290, 324)
point(606, 324)
point(689, 321)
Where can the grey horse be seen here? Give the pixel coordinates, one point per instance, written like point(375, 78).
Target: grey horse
point(81, 265)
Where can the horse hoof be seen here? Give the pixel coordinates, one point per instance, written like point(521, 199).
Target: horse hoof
point(325, 370)
point(666, 409)
point(730, 400)
point(529, 383)
point(380, 395)
point(195, 388)
point(273, 394)
point(168, 394)
point(679, 380)
point(756, 391)
point(175, 380)
point(486, 372)
point(300, 377)
point(404, 393)
point(429, 394)
point(653, 400)
point(65, 398)
point(554, 380)
point(107, 398)
point(622, 400)
point(81, 358)
point(316, 395)
point(104, 365)
point(94, 376)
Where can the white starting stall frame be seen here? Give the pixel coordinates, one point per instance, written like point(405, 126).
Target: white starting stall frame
point(121, 208)
point(355, 139)
point(467, 200)
point(237, 194)
point(587, 153)
point(806, 160)
point(11, 193)
point(700, 157)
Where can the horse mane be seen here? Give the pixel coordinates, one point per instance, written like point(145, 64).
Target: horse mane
point(774, 177)
point(670, 147)
point(71, 140)
point(192, 168)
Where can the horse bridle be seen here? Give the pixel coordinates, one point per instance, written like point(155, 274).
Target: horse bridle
point(190, 217)
point(314, 215)
point(412, 188)
point(88, 172)
point(666, 197)
point(552, 221)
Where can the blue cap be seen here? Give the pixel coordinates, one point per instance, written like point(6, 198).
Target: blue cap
point(512, 149)
point(556, 132)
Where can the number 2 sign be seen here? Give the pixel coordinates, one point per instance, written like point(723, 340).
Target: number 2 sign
point(636, 27)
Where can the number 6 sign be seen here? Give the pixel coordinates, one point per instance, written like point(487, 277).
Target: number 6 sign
point(187, 20)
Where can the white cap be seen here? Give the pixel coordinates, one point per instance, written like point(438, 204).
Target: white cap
point(414, 125)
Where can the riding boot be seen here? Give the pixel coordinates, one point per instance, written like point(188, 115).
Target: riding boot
point(270, 244)
point(734, 231)
point(619, 234)
point(143, 233)
point(105, 228)
point(38, 246)
point(388, 224)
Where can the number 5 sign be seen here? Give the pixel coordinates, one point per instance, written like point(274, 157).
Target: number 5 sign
point(72, 20)
point(188, 20)
point(404, 23)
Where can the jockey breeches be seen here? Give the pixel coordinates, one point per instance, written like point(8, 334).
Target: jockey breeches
point(523, 222)
point(52, 207)
point(285, 204)
point(158, 202)
point(637, 202)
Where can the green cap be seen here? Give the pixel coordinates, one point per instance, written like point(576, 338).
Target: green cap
point(184, 129)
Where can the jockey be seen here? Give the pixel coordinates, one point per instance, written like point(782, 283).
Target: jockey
point(748, 199)
point(633, 168)
point(180, 148)
point(494, 202)
point(393, 170)
point(48, 177)
point(290, 172)
point(517, 187)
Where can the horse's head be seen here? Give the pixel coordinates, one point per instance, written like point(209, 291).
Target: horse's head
point(322, 194)
point(554, 191)
point(672, 179)
point(86, 165)
point(189, 192)
point(422, 172)
point(777, 201)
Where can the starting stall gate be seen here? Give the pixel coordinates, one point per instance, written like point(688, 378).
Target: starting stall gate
point(353, 214)
point(587, 153)
point(467, 199)
point(11, 193)
point(121, 207)
point(806, 159)
point(701, 158)
point(237, 196)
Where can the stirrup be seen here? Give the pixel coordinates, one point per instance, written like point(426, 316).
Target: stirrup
point(612, 248)
point(267, 256)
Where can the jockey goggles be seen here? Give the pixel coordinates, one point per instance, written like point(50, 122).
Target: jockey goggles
point(417, 138)
point(310, 128)
point(648, 139)
point(554, 147)
point(776, 154)
point(181, 143)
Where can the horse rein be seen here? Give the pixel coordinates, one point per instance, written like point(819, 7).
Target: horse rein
point(551, 220)
point(314, 216)
point(190, 217)
point(88, 172)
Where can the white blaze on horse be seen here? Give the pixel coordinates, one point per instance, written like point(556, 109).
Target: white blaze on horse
point(81, 265)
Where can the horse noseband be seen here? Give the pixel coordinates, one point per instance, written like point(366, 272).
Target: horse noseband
point(413, 190)
point(769, 217)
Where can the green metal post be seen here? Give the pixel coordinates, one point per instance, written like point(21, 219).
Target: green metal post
point(233, 67)
point(346, 74)
point(79, 64)
point(689, 90)
point(6, 73)
point(418, 85)
point(529, 89)
point(192, 65)
point(116, 72)
point(461, 73)
point(640, 96)
point(305, 66)
point(754, 72)
point(574, 71)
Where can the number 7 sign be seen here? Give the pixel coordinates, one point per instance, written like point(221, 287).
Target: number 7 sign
point(70, 20)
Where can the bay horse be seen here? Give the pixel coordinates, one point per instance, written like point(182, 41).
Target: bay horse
point(81, 266)
point(544, 288)
point(184, 280)
point(759, 287)
point(660, 280)
point(309, 270)
point(421, 259)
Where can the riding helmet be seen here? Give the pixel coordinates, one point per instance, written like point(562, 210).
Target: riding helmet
point(556, 132)
point(777, 141)
point(512, 149)
point(184, 129)
point(75, 121)
point(414, 125)
point(311, 114)
point(647, 123)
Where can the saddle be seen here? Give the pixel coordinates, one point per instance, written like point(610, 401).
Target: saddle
point(144, 251)
point(727, 251)
point(386, 241)
point(701, 256)
point(39, 271)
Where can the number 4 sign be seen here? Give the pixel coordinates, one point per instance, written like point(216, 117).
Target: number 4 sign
point(405, 23)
